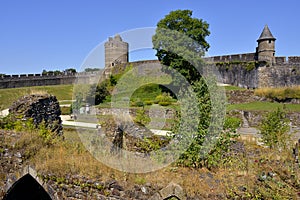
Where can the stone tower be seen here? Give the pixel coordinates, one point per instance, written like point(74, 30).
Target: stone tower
point(116, 51)
point(266, 46)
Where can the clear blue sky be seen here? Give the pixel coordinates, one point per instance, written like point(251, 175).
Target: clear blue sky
point(59, 34)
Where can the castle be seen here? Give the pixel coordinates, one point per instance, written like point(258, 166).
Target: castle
point(265, 51)
point(249, 70)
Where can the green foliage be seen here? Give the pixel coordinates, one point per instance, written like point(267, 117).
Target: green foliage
point(148, 102)
point(10, 123)
point(91, 69)
point(249, 66)
point(75, 106)
point(139, 103)
point(152, 144)
point(176, 52)
point(164, 103)
point(199, 153)
point(45, 132)
point(164, 97)
point(146, 92)
point(232, 123)
point(274, 129)
point(112, 80)
point(98, 93)
point(141, 117)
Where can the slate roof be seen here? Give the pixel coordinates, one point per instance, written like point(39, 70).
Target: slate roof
point(266, 34)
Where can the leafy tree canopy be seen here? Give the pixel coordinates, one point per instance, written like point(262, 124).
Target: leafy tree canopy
point(180, 42)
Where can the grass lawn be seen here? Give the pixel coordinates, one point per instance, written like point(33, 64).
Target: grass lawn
point(7, 96)
point(263, 106)
point(231, 87)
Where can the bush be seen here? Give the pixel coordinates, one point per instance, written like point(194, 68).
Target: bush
point(141, 117)
point(139, 104)
point(164, 103)
point(164, 97)
point(232, 123)
point(274, 129)
point(149, 102)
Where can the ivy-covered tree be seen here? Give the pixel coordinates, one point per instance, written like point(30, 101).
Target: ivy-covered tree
point(180, 41)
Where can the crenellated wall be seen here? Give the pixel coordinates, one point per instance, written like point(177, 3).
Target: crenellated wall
point(240, 70)
point(29, 80)
point(235, 57)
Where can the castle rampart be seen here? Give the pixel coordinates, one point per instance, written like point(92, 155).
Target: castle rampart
point(29, 80)
point(235, 57)
point(249, 70)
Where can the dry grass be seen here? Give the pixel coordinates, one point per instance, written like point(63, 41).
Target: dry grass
point(279, 93)
point(37, 92)
point(69, 156)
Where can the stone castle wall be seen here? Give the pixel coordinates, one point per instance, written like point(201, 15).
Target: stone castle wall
point(280, 75)
point(235, 57)
point(29, 80)
point(234, 70)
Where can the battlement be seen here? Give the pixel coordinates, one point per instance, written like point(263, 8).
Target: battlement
point(28, 80)
point(291, 60)
point(235, 57)
point(247, 57)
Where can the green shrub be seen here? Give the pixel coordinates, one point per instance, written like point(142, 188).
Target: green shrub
point(164, 97)
point(141, 117)
point(164, 103)
point(139, 104)
point(274, 129)
point(232, 123)
point(149, 102)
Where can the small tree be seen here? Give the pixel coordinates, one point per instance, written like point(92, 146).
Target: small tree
point(97, 93)
point(274, 129)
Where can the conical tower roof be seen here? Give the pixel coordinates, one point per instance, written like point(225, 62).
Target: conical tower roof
point(266, 34)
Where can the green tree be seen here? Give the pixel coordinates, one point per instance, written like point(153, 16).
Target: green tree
point(274, 129)
point(91, 69)
point(180, 41)
point(98, 93)
point(70, 71)
point(76, 105)
point(172, 47)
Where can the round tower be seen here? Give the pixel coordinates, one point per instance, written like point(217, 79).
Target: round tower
point(116, 51)
point(266, 46)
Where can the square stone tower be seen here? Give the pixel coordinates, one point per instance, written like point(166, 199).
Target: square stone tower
point(116, 51)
